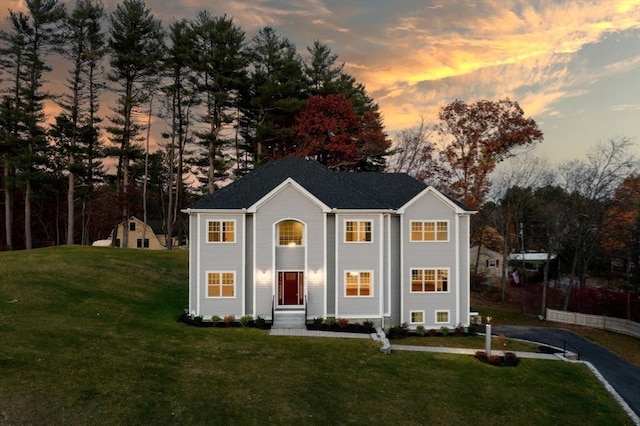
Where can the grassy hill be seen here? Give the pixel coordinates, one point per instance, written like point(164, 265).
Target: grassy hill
point(89, 336)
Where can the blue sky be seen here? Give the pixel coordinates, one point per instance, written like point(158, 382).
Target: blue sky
point(574, 66)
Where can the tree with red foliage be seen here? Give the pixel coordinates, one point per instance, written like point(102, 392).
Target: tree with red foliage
point(476, 137)
point(329, 130)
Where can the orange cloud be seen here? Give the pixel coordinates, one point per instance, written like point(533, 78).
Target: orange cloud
point(498, 49)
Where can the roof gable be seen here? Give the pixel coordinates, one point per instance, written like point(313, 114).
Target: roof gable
point(458, 208)
point(288, 182)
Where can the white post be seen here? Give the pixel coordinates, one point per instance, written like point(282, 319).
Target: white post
point(487, 340)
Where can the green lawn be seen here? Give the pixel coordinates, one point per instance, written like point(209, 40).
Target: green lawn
point(89, 336)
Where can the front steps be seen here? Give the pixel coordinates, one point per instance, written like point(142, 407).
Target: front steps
point(289, 319)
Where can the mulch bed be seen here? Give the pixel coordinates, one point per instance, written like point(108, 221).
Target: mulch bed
point(509, 359)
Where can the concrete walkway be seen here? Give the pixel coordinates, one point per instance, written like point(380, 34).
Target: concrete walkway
point(620, 378)
point(464, 351)
point(437, 349)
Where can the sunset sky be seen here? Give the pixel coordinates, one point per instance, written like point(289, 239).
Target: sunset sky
point(574, 66)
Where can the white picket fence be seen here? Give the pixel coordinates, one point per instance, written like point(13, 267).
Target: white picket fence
point(595, 321)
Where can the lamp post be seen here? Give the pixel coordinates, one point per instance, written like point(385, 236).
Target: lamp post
point(487, 340)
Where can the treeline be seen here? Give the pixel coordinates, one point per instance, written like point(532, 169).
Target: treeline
point(227, 104)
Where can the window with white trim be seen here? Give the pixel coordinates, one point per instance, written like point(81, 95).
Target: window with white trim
point(357, 231)
point(430, 230)
point(358, 284)
point(221, 231)
point(417, 317)
point(290, 233)
point(221, 284)
point(442, 317)
point(429, 280)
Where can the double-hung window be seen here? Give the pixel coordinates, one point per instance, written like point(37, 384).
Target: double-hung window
point(358, 283)
point(221, 284)
point(221, 231)
point(358, 231)
point(429, 280)
point(417, 317)
point(442, 317)
point(430, 230)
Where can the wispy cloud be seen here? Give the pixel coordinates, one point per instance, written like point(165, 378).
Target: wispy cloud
point(415, 56)
point(504, 49)
point(628, 107)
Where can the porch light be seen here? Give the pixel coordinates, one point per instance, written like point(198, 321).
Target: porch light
point(315, 275)
point(488, 319)
point(263, 275)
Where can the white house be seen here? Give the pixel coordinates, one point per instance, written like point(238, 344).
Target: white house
point(293, 239)
point(489, 262)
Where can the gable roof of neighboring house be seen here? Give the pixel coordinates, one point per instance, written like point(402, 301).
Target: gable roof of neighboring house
point(154, 225)
point(340, 190)
point(484, 251)
point(532, 257)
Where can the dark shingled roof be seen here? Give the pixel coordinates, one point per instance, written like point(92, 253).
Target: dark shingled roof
point(341, 190)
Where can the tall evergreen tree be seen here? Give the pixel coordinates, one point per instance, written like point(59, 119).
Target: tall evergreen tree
point(180, 97)
point(13, 63)
point(221, 65)
point(322, 72)
point(39, 33)
point(136, 43)
point(277, 92)
point(83, 47)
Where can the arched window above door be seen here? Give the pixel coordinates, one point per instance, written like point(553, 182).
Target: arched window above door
point(290, 233)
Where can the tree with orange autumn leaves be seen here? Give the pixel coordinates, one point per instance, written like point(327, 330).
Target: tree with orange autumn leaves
point(329, 131)
point(620, 230)
point(474, 139)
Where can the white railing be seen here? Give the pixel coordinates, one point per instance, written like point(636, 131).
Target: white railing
point(595, 321)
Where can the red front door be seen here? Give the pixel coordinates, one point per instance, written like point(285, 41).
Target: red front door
point(290, 290)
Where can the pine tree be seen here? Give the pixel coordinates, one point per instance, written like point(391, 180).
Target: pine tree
point(221, 66)
point(33, 36)
point(136, 42)
point(13, 63)
point(75, 126)
point(322, 72)
point(181, 96)
point(276, 93)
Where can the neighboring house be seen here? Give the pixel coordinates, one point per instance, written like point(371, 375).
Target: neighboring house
point(489, 262)
point(153, 239)
point(532, 266)
point(295, 240)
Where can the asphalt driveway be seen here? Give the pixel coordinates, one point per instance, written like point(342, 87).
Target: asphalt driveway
point(623, 376)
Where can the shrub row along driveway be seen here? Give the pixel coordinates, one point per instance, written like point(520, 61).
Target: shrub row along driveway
point(623, 376)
